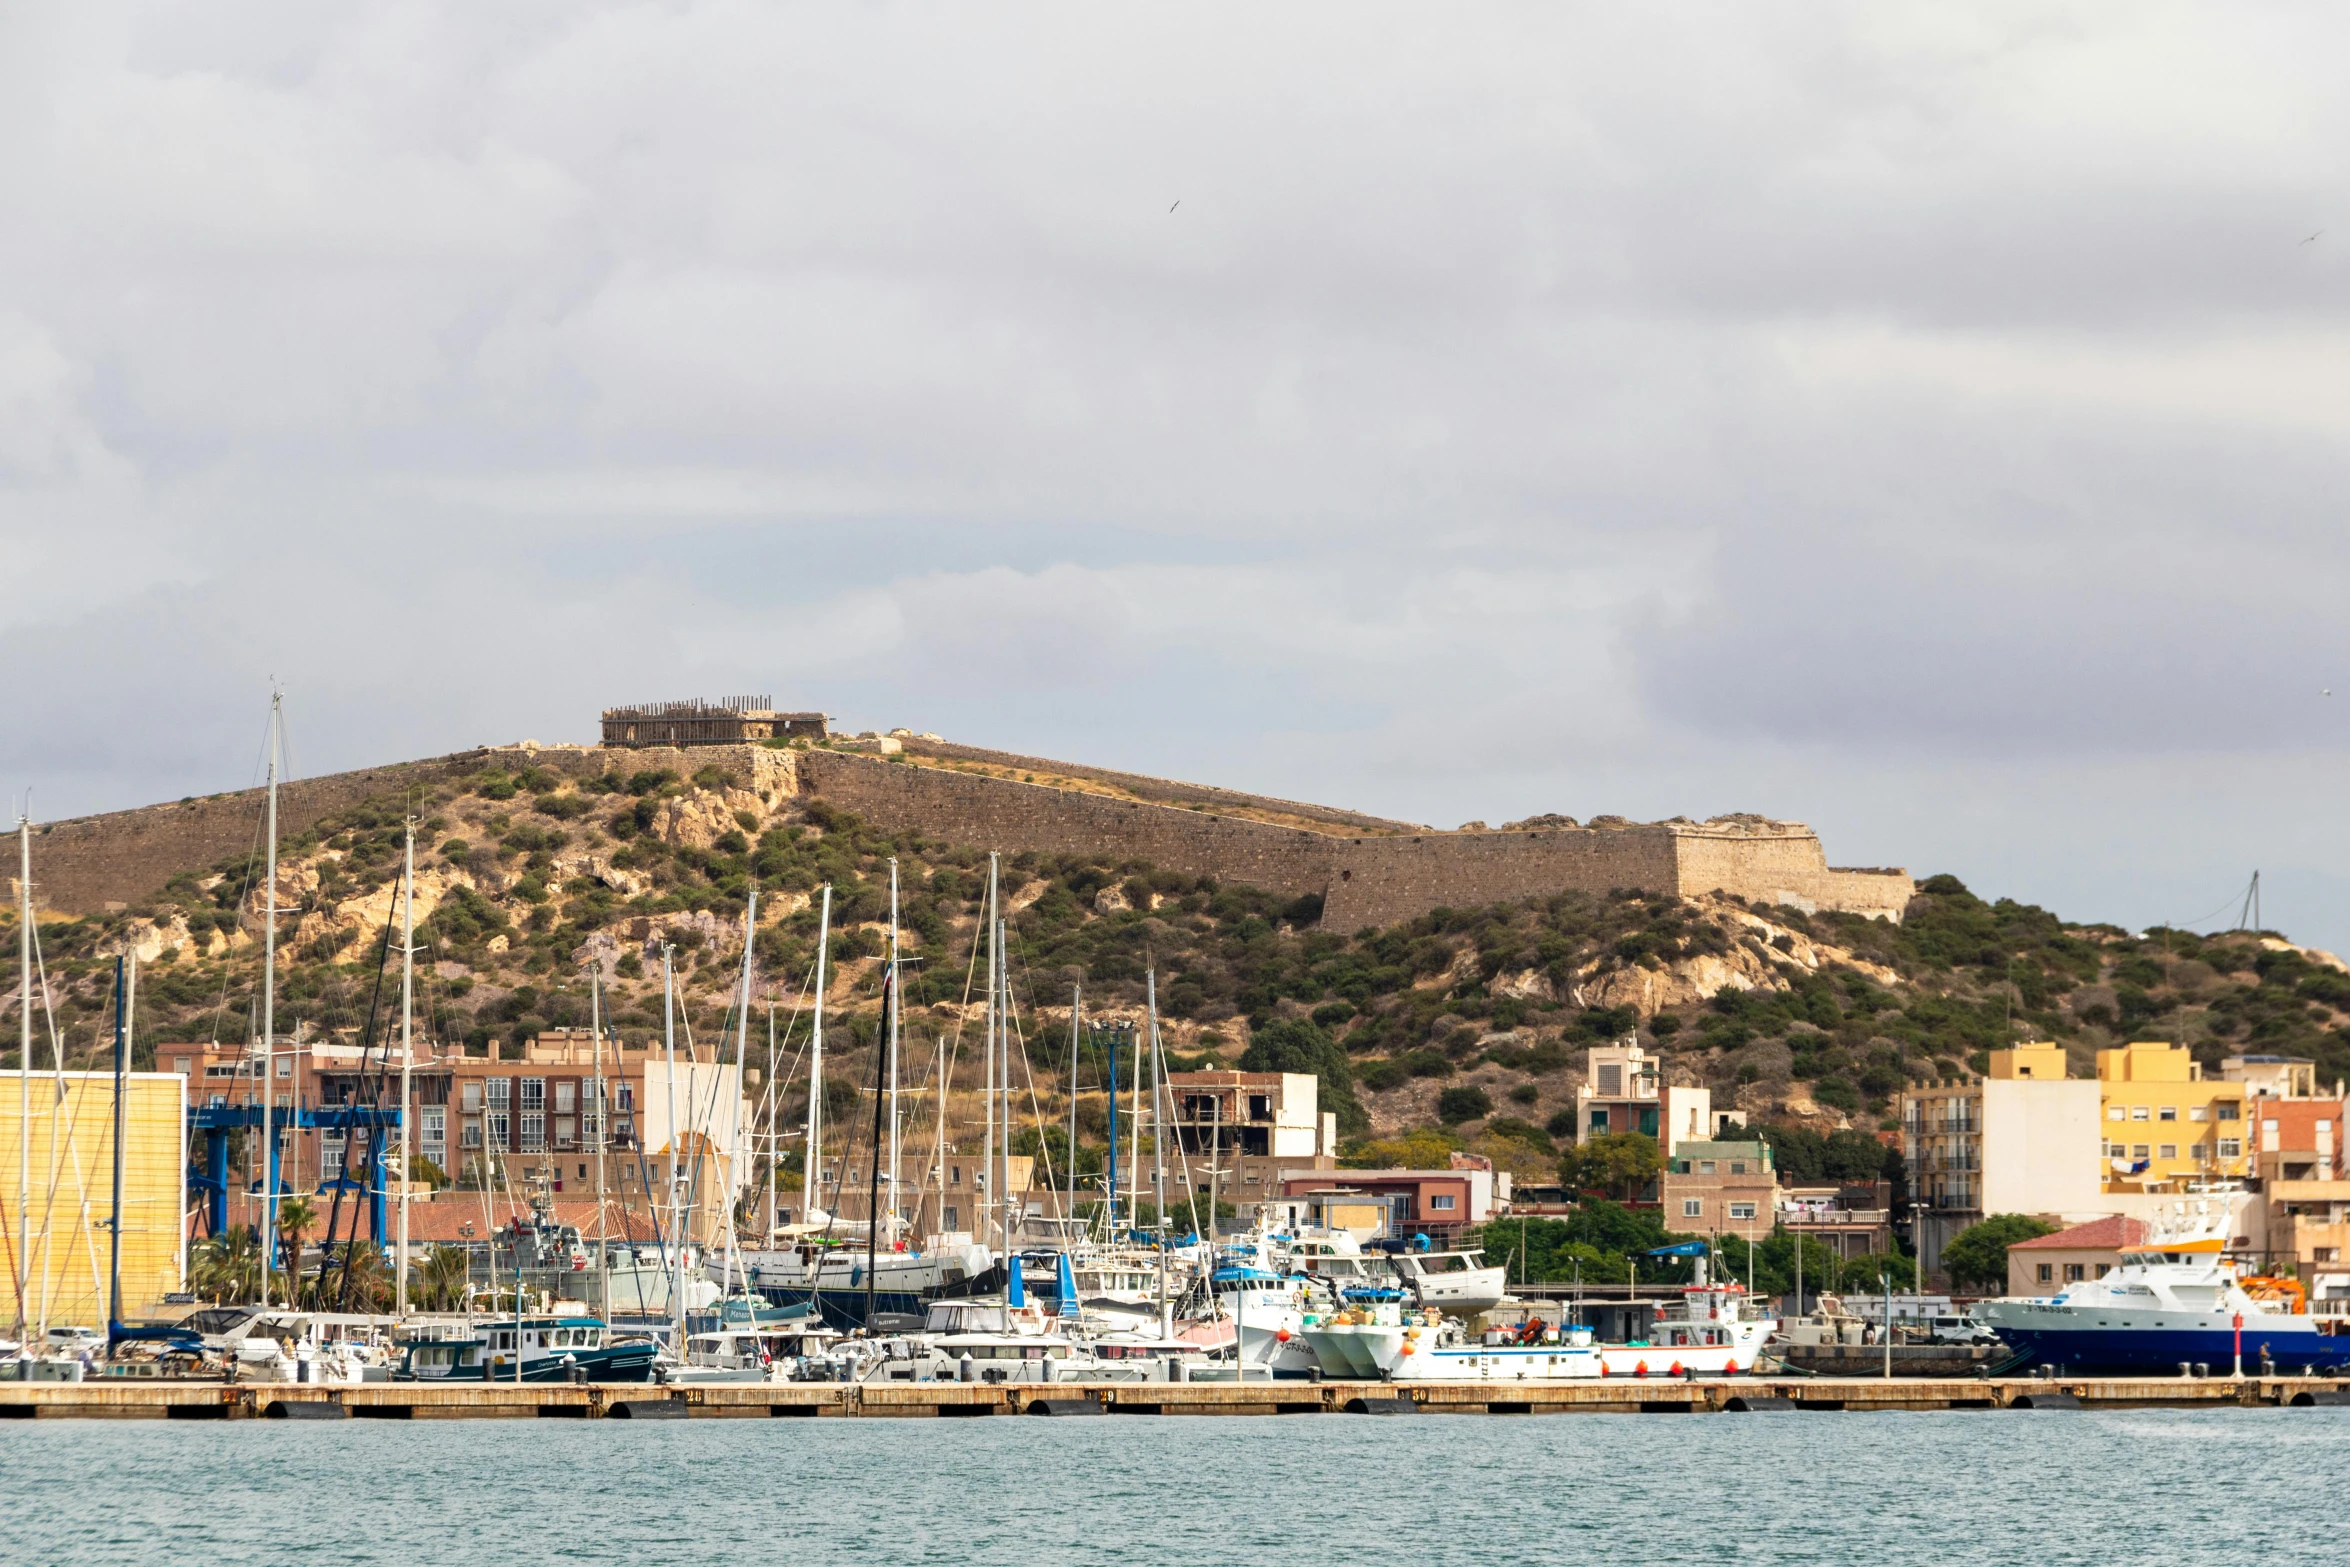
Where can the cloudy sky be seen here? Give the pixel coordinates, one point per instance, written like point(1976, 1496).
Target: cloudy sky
point(1925, 422)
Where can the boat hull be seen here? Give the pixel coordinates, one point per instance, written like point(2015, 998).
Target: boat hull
point(1499, 1363)
point(2156, 1347)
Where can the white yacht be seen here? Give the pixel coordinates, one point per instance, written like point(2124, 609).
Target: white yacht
point(2174, 1301)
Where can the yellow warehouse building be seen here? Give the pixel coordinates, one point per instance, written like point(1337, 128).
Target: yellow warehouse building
point(63, 1272)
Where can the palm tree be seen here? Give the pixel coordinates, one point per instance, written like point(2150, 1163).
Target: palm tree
point(227, 1267)
point(438, 1282)
point(296, 1218)
point(362, 1277)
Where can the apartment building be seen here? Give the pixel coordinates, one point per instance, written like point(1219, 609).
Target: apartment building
point(1623, 1091)
point(1255, 1124)
point(494, 1117)
point(1721, 1188)
point(2164, 1124)
point(2021, 1139)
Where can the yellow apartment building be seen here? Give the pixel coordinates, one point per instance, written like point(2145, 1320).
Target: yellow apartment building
point(2165, 1124)
point(70, 1117)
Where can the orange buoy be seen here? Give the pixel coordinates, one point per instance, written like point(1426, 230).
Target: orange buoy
point(1641, 1369)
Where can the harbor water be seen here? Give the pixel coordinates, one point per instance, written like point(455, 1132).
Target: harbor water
point(1964, 1487)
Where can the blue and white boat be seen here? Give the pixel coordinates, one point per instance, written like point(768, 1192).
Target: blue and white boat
point(2174, 1300)
point(550, 1350)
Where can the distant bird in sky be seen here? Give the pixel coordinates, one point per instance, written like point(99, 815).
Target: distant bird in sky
point(2328, 691)
point(2311, 240)
point(1178, 203)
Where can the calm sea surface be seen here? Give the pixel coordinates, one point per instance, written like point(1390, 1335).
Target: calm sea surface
point(2006, 1487)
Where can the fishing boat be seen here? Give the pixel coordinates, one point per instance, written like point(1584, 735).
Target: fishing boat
point(550, 1349)
point(1438, 1349)
point(1713, 1329)
point(1458, 1283)
point(2175, 1301)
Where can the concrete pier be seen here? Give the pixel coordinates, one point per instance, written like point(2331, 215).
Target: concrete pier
point(168, 1400)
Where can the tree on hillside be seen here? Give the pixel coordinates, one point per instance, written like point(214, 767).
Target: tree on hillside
point(1619, 1163)
point(1295, 1045)
point(1978, 1253)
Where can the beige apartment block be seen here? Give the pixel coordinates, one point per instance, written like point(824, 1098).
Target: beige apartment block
point(2022, 1139)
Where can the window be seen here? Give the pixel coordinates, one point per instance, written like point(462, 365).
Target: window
point(2227, 1111)
point(2140, 1151)
point(2047, 1273)
point(534, 1093)
point(1444, 1203)
point(1599, 1120)
point(1692, 1208)
point(2104, 1268)
point(2167, 1113)
point(2137, 1112)
point(470, 1136)
point(2199, 1112)
point(1738, 1167)
point(472, 1100)
point(1648, 1123)
point(954, 1219)
point(2325, 1254)
point(1705, 1167)
point(2231, 1148)
point(534, 1132)
point(1611, 1079)
point(2074, 1272)
point(1742, 1210)
point(436, 1126)
point(566, 1131)
point(285, 1068)
point(627, 1100)
point(497, 1130)
point(2167, 1151)
point(1260, 1107)
point(566, 1096)
point(955, 1175)
point(501, 1092)
point(2116, 1113)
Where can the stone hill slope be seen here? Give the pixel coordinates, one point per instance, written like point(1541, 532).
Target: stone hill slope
point(1465, 1024)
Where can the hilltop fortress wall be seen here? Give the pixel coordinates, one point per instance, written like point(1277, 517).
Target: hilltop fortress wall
point(1368, 871)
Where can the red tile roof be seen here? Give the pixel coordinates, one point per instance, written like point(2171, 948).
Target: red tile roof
point(444, 1219)
point(2110, 1233)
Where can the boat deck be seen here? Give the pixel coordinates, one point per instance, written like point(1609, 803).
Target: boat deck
point(159, 1400)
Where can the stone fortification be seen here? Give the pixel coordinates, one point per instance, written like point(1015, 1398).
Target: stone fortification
point(1368, 871)
point(1160, 791)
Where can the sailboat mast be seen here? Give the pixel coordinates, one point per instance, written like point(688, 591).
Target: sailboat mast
point(269, 1022)
point(811, 1160)
point(1076, 1014)
point(897, 1007)
point(990, 1195)
point(598, 1142)
point(742, 1055)
point(889, 1001)
point(1003, 1058)
point(24, 1065)
point(1134, 1166)
point(676, 1236)
point(1159, 1108)
point(125, 980)
point(407, 1057)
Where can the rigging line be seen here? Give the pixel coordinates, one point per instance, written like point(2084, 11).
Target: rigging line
point(954, 1050)
point(252, 858)
point(367, 1039)
point(57, 1101)
point(1035, 1105)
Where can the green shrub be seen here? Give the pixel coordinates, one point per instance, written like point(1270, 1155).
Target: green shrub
point(1465, 1103)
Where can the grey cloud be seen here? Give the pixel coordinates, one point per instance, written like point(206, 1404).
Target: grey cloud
point(1919, 422)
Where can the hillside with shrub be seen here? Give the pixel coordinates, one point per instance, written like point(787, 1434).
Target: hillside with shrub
point(1463, 1029)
